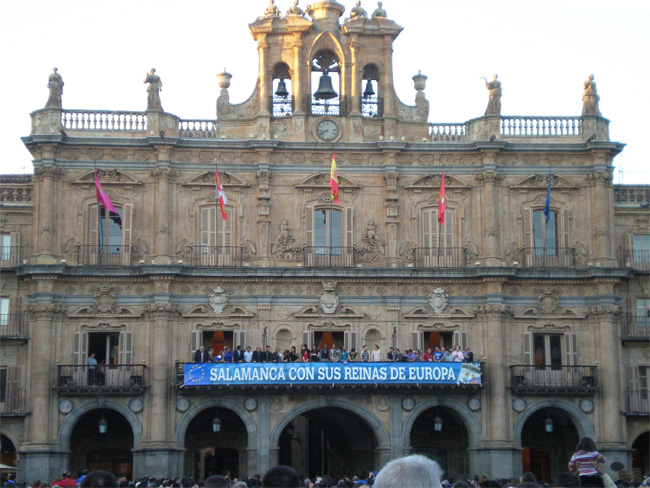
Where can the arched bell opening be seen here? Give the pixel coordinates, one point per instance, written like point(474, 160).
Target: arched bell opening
point(325, 84)
point(371, 101)
point(282, 99)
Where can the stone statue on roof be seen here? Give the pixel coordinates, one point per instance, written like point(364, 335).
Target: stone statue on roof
point(358, 12)
point(494, 102)
point(295, 10)
point(590, 98)
point(153, 91)
point(272, 10)
point(379, 12)
point(55, 84)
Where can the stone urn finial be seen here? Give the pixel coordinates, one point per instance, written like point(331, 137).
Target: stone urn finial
point(224, 79)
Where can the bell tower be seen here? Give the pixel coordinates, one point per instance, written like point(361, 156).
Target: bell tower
point(325, 78)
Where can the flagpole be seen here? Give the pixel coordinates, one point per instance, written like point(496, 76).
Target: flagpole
point(216, 211)
point(330, 246)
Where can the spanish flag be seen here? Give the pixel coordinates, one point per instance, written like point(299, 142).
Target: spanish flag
point(221, 197)
point(334, 180)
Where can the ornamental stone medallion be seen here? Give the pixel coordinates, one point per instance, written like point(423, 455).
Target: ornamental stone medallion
point(329, 300)
point(438, 300)
point(218, 300)
point(104, 299)
point(547, 302)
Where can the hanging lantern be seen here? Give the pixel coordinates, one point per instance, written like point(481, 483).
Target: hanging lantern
point(548, 424)
point(437, 423)
point(103, 425)
point(216, 424)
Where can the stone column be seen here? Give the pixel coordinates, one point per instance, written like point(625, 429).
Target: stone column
point(298, 90)
point(40, 455)
point(45, 213)
point(602, 211)
point(396, 428)
point(490, 214)
point(163, 176)
point(265, 81)
point(263, 434)
point(355, 82)
point(498, 455)
point(158, 452)
point(613, 432)
point(392, 215)
point(263, 216)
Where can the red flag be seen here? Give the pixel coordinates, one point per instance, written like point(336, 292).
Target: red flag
point(221, 196)
point(442, 201)
point(334, 180)
point(104, 199)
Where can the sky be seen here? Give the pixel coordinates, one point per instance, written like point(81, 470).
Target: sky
point(543, 51)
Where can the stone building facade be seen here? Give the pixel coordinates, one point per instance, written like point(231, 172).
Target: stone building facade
point(556, 311)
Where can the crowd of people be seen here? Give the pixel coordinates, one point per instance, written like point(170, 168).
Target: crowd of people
point(333, 354)
point(415, 471)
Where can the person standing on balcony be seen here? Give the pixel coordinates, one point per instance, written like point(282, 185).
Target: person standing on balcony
point(365, 355)
point(335, 354)
point(248, 355)
point(376, 354)
point(324, 354)
point(92, 368)
point(202, 356)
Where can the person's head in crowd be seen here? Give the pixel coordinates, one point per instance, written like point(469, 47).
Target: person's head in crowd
point(586, 444)
point(414, 471)
point(281, 477)
point(527, 484)
point(528, 478)
point(99, 479)
point(239, 484)
point(216, 482)
point(37, 484)
point(567, 480)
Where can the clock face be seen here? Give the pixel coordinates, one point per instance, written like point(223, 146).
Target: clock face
point(327, 129)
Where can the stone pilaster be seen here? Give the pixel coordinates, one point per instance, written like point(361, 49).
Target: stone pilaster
point(392, 216)
point(602, 209)
point(163, 177)
point(263, 216)
point(45, 216)
point(490, 214)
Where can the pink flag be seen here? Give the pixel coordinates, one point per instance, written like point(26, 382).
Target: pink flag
point(442, 201)
point(104, 199)
point(221, 196)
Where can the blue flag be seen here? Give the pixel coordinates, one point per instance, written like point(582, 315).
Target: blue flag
point(547, 204)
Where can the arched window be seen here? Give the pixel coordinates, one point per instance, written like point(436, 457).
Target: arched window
point(282, 101)
point(370, 100)
point(325, 84)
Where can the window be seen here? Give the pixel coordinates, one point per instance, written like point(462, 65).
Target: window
point(4, 311)
point(548, 350)
point(109, 237)
point(3, 385)
point(437, 249)
point(642, 311)
point(643, 382)
point(217, 247)
point(641, 251)
point(545, 233)
point(329, 237)
point(5, 247)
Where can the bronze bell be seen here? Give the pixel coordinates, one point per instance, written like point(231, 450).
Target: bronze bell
point(325, 90)
point(368, 92)
point(282, 89)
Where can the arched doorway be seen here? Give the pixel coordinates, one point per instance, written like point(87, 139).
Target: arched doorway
point(548, 438)
point(111, 450)
point(641, 454)
point(215, 443)
point(328, 440)
point(440, 434)
point(8, 455)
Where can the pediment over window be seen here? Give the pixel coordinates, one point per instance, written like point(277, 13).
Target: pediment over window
point(107, 177)
point(90, 311)
point(230, 311)
point(426, 312)
point(430, 182)
point(345, 312)
point(322, 180)
point(207, 178)
point(540, 182)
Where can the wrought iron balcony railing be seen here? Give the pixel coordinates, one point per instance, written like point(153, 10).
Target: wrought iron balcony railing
point(635, 327)
point(211, 256)
point(549, 257)
point(637, 402)
point(13, 402)
point(440, 257)
point(638, 260)
point(102, 379)
point(12, 256)
point(104, 255)
point(329, 256)
point(572, 380)
point(13, 326)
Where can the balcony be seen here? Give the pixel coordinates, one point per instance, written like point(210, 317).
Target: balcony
point(440, 257)
point(13, 326)
point(120, 379)
point(211, 256)
point(638, 260)
point(635, 328)
point(636, 402)
point(329, 257)
point(13, 256)
point(104, 255)
point(549, 257)
point(13, 402)
point(541, 380)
